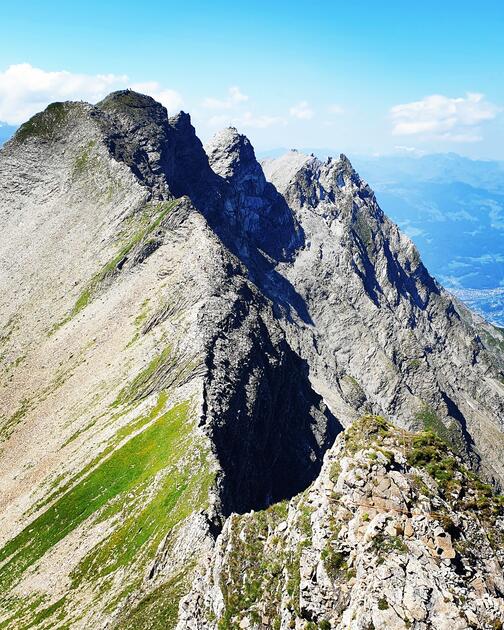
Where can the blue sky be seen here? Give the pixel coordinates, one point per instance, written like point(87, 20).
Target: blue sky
point(364, 77)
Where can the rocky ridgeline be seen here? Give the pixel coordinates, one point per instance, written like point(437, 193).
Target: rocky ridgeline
point(184, 333)
point(395, 533)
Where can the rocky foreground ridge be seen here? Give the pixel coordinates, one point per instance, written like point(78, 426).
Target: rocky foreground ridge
point(184, 333)
point(395, 533)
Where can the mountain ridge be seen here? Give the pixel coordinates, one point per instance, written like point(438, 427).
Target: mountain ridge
point(241, 315)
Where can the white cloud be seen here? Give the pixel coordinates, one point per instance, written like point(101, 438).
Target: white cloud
point(247, 119)
point(399, 148)
point(412, 230)
point(25, 90)
point(335, 109)
point(444, 118)
point(171, 99)
point(301, 110)
point(260, 122)
point(235, 97)
point(451, 282)
point(221, 120)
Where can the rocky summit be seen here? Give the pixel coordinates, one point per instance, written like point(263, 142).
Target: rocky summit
point(231, 394)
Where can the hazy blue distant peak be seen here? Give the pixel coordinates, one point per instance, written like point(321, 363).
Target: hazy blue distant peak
point(6, 132)
point(438, 167)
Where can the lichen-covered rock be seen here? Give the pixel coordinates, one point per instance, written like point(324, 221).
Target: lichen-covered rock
point(395, 533)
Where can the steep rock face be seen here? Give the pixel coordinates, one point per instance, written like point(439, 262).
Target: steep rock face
point(387, 537)
point(385, 336)
point(270, 429)
point(252, 215)
point(143, 374)
point(183, 339)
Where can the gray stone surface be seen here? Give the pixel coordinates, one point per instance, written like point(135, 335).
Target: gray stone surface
point(277, 300)
point(375, 542)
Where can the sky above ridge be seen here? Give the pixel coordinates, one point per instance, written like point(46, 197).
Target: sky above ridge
point(368, 77)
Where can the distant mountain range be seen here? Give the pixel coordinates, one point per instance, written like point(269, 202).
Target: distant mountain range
point(453, 209)
point(6, 131)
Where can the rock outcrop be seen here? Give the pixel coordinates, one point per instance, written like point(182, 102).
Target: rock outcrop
point(395, 533)
point(184, 334)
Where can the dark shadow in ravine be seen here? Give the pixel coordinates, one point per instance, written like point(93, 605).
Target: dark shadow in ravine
point(269, 427)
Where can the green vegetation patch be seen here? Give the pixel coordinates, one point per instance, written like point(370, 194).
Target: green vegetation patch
point(367, 430)
point(430, 421)
point(57, 609)
point(383, 603)
point(159, 609)
point(335, 562)
point(141, 385)
point(497, 341)
point(129, 469)
point(154, 510)
point(44, 124)
point(363, 230)
point(465, 490)
point(10, 424)
point(384, 544)
point(110, 268)
point(84, 160)
point(56, 489)
point(431, 453)
point(254, 573)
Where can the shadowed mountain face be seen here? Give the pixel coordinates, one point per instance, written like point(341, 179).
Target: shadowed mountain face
point(184, 334)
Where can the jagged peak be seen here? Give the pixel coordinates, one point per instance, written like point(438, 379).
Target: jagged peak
point(230, 153)
point(344, 160)
point(181, 121)
point(294, 169)
point(282, 171)
point(341, 173)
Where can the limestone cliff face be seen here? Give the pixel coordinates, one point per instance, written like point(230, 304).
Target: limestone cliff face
point(184, 334)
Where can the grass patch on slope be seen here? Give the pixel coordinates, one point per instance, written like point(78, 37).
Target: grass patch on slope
point(131, 467)
point(430, 421)
point(159, 609)
point(112, 265)
point(143, 489)
point(140, 385)
point(43, 125)
point(136, 425)
point(84, 159)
